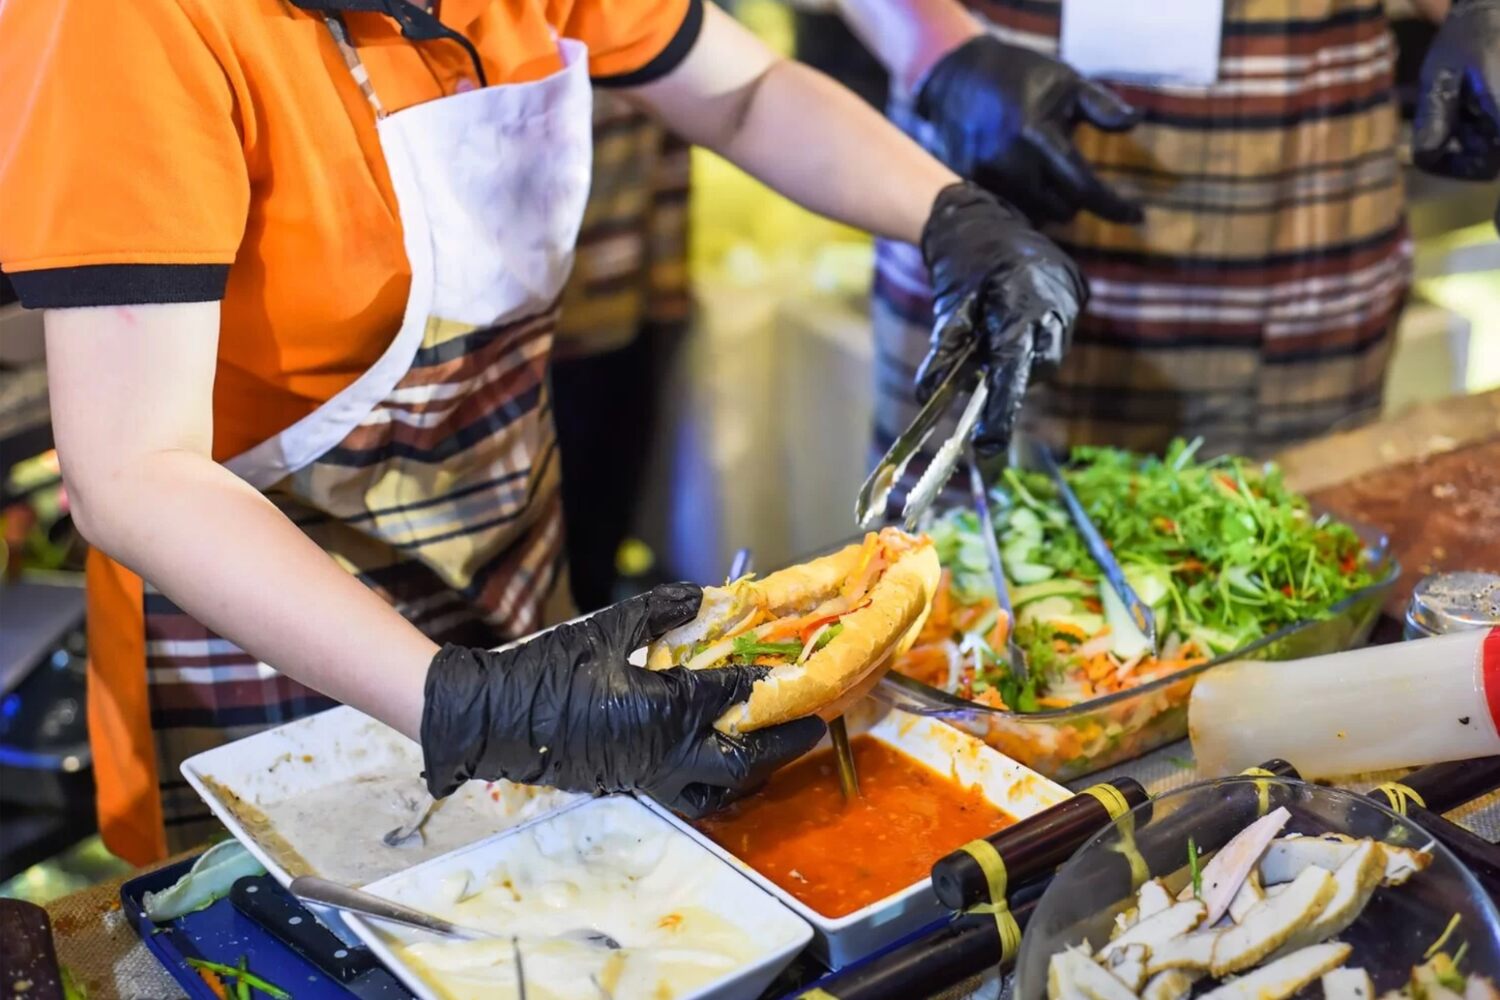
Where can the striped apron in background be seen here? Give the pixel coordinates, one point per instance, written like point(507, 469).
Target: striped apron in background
point(434, 477)
point(630, 269)
point(1256, 305)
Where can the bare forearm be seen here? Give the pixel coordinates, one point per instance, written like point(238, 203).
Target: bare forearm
point(909, 36)
point(230, 559)
point(797, 130)
point(818, 144)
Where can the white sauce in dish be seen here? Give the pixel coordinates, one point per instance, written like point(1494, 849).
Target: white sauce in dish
point(319, 823)
point(600, 869)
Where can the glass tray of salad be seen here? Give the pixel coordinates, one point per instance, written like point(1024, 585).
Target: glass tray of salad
point(1234, 565)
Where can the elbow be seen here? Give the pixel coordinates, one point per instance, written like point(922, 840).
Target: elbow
point(737, 117)
point(82, 508)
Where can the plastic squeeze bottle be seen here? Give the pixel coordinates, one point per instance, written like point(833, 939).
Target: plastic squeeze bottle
point(1398, 705)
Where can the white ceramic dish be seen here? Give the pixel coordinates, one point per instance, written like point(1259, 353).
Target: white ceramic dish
point(1013, 787)
point(315, 796)
point(608, 865)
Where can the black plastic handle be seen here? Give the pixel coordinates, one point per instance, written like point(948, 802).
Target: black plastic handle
point(260, 898)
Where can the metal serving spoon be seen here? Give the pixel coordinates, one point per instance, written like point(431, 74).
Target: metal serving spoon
point(351, 900)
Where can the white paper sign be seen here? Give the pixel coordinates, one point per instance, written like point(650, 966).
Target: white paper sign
point(1155, 41)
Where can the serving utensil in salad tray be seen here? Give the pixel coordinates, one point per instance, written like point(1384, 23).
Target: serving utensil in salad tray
point(869, 507)
point(1139, 611)
point(838, 731)
point(981, 498)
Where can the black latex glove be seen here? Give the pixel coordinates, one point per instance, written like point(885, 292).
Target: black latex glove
point(1457, 131)
point(1006, 117)
point(996, 278)
point(565, 709)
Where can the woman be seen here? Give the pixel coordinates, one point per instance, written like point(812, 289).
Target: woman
point(1244, 239)
point(299, 263)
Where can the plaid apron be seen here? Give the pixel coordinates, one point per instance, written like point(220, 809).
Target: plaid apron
point(434, 476)
point(1257, 302)
point(630, 266)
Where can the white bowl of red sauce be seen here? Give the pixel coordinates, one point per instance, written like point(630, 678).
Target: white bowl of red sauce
point(859, 872)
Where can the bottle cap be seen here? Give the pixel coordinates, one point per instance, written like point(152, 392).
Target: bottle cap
point(1453, 602)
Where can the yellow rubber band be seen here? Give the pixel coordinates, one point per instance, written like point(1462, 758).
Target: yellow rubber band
point(992, 864)
point(1140, 872)
point(1005, 925)
point(1110, 797)
point(1262, 789)
point(1399, 796)
point(816, 993)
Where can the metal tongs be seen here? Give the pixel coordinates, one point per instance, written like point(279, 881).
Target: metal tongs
point(869, 508)
point(838, 732)
point(1140, 611)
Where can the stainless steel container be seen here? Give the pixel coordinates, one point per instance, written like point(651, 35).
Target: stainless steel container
point(1452, 602)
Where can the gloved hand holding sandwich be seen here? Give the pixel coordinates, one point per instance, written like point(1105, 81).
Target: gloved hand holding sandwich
point(739, 680)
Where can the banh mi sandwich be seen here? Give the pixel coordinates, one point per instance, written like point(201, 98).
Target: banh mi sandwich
point(827, 628)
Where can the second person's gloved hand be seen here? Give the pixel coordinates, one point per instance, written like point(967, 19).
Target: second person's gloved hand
point(566, 709)
point(1006, 115)
point(1457, 131)
point(997, 279)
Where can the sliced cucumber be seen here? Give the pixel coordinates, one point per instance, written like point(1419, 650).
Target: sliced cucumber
point(1024, 572)
point(1049, 588)
point(1126, 641)
point(1046, 609)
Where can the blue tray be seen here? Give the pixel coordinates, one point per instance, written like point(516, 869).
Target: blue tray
point(220, 933)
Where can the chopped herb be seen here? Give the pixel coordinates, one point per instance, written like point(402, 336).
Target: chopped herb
point(242, 974)
point(828, 635)
point(749, 646)
point(1182, 763)
point(1197, 873)
point(72, 988)
point(1437, 945)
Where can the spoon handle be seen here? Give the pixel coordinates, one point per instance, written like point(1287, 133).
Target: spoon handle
point(342, 897)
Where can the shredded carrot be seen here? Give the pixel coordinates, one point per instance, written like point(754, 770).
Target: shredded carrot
point(1068, 628)
point(866, 557)
point(1000, 632)
point(1053, 702)
point(941, 602)
point(215, 984)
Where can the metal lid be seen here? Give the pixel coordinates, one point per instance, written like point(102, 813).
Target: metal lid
point(1451, 602)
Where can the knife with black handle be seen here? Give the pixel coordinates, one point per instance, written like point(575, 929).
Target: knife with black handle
point(260, 898)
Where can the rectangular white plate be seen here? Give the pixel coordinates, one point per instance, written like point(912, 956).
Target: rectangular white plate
point(1013, 787)
point(666, 873)
point(316, 796)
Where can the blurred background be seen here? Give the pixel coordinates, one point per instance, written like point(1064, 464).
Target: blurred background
point(759, 436)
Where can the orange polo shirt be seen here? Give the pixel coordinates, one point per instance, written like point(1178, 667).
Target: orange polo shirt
point(197, 150)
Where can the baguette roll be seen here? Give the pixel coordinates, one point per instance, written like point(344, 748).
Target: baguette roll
point(875, 626)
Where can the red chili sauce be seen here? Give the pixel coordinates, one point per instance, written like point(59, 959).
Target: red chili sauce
point(837, 857)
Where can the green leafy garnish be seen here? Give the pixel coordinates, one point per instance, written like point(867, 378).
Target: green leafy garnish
point(828, 635)
point(1197, 872)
